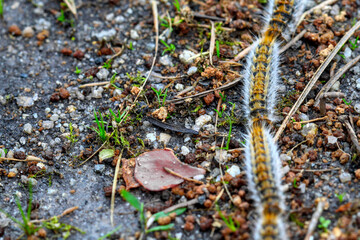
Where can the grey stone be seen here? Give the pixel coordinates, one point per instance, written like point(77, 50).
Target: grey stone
point(151, 136)
point(102, 74)
point(134, 34)
point(192, 70)
point(22, 140)
point(185, 56)
point(165, 61)
point(201, 121)
point(28, 32)
point(179, 87)
point(120, 19)
point(54, 117)
point(48, 124)
point(234, 170)
point(345, 177)
point(42, 24)
point(99, 168)
point(28, 128)
point(23, 101)
point(109, 17)
point(347, 53)
point(185, 150)
point(165, 138)
point(357, 107)
point(309, 128)
point(105, 35)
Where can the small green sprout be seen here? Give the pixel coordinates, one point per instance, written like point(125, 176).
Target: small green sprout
point(119, 116)
point(223, 97)
point(160, 95)
point(73, 38)
point(262, 1)
point(101, 128)
point(131, 45)
point(26, 225)
point(139, 206)
point(1, 8)
point(217, 48)
point(340, 197)
point(220, 113)
point(72, 137)
point(177, 5)
point(107, 64)
point(233, 226)
point(342, 55)
point(56, 226)
point(61, 17)
point(295, 183)
point(354, 44)
point(353, 22)
point(324, 223)
point(77, 70)
point(229, 134)
point(5, 152)
point(168, 48)
point(108, 235)
point(138, 78)
point(347, 103)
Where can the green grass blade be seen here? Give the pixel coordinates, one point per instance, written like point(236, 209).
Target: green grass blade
point(161, 228)
point(130, 198)
point(110, 233)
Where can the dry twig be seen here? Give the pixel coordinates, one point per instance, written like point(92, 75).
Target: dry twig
point(113, 190)
point(180, 176)
point(293, 41)
point(315, 78)
point(332, 80)
point(212, 42)
point(72, 7)
point(314, 219)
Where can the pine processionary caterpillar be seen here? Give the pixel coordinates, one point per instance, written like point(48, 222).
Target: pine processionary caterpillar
point(263, 165)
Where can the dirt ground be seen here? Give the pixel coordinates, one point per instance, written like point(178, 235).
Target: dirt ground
point(47, 56)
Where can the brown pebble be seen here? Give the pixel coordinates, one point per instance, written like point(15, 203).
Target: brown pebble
point(188, 226)
point(314, 37)
point(19, 155)
point(208, 99)
point(344, 158)
point(326, 37)
point(357, 173)
point(66, 51)
point(14, 30)
point(164, 220)
point(72, 191)
point(105, 51)
point(78, 54)
point(205, 223)
point(42, 233)
point(11, 174)
point(55, 97)
point(286, 109)
point(300, 86)
point(190, 218)
point(208, 203)
point(41, 36)
point(64, 94)
point(108, 191)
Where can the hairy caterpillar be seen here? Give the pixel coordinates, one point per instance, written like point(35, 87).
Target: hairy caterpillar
point(263, 165)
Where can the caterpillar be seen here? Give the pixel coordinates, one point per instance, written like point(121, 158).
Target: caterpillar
point(262, 161)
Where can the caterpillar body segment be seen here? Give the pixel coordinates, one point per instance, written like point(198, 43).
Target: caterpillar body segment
point(282, 14)
point(263, 173)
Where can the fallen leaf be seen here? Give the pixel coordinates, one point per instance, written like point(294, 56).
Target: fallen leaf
point(344, 207)
point(150, 173)
point(128, 166)
point(105, 154)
